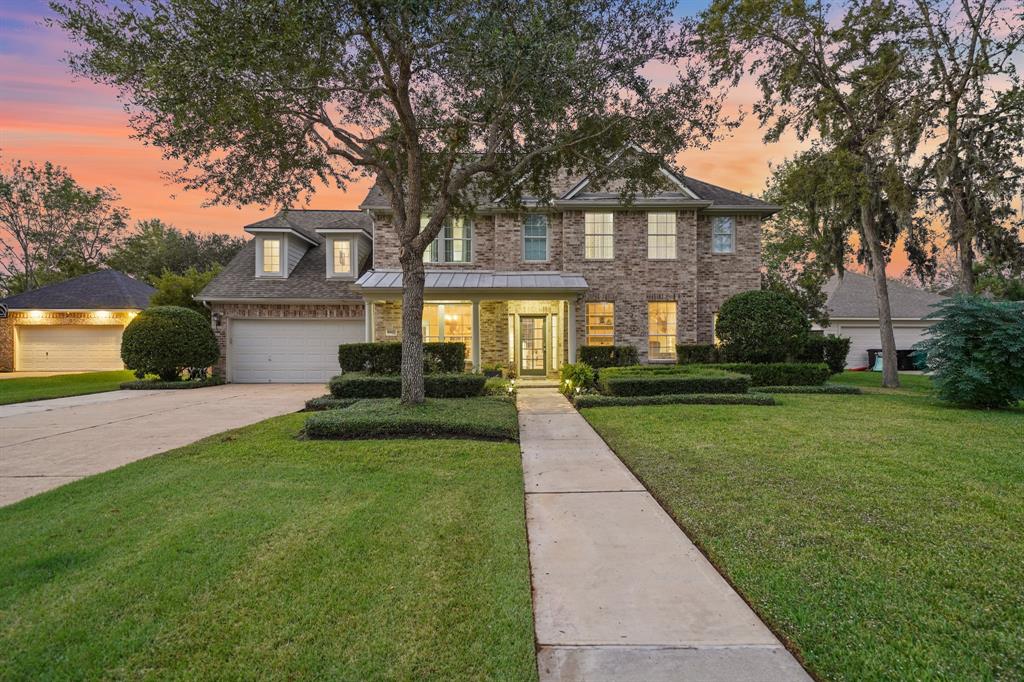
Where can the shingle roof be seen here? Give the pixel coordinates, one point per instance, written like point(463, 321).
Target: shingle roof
point(307, 221)
point(105, 289)
point(854, 297)
point(307, 281)
point(453, 279)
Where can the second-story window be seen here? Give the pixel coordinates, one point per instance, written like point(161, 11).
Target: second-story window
point(723, 234)
point(661, 236)
point(535, 237)
point(342, 256)
point(599, 236)
point(454, 243)
point(271, 256)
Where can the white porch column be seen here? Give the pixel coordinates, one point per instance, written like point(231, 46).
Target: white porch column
point(368, 319)
point(475, 351)
point(570, 319)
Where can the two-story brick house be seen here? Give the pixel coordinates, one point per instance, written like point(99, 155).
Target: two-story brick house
point(523, 289)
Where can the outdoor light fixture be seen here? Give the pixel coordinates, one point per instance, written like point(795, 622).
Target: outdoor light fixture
point(35, 314)
point(102, 314)
point(216, 319)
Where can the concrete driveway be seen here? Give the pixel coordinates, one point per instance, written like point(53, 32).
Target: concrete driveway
point(47, 443)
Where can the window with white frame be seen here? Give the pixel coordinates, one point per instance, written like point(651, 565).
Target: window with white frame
point(661, 330)
point(454, 243)
point(535, 237)
point(723, 234)
point(271, 256)
point(341, 257)
point(449, 322)
point(661, 236)
point(599, 236)
point(600, 324)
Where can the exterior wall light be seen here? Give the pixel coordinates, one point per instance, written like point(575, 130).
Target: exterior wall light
point(102, 314)
point(35, 314)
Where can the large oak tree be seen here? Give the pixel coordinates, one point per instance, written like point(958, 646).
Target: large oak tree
point(441, 100)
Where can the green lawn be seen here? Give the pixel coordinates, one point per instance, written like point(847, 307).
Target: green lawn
point(253, 554)
point(60, 386)
point(880, 534)
point(909, 383)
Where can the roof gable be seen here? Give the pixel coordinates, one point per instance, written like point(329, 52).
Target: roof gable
point(105, 289)
point(853, 297)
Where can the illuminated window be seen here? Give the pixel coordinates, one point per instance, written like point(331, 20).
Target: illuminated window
point(449, 322)
point(535, 237)
point(342, 256)
point(714, 330)
point(661, 236)
point(661, 330)
point(598, 235)
point(454, 243)
point(723, 234)
point(271, 255)
point(600, 324)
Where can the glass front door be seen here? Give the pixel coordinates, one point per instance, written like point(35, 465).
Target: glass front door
point(532, 347)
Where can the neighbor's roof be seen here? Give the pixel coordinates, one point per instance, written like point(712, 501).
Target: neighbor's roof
point(447, 280)
point(854, 297)
point(102, 290)
point(306, 222)
point(308, 280)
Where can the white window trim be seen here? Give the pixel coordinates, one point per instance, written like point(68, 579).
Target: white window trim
point(547, 240)
point(353, 258)
point(612, 235)
point(675, 235)
point(586, 316)
point(282, 240)
point(732, 248)
point(439, 241)
point(674, 338)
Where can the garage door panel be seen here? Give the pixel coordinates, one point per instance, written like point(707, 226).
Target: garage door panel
point(288, 351)
point(864, 337)
point(55, 348)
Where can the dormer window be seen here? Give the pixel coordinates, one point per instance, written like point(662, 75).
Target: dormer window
point(342, 257)
point(270, 258)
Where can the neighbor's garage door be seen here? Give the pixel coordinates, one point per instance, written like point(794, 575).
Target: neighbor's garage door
point(288, 351)
point(55, 348)
point(864, 337)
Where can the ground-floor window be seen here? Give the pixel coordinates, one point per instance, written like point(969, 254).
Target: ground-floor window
point(661, 330)
point(600, 324)
point(449, 322)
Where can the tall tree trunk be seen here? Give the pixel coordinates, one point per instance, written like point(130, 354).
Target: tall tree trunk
point(413, 278)
point(869, 230)
point(965, 256)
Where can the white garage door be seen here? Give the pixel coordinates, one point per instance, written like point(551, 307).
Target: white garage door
point(863, 337)
point(288, 351)
point(56, 348)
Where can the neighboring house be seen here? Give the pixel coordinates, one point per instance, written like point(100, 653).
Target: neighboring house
point(853, 312)
point(520, 288)
point(74, 325)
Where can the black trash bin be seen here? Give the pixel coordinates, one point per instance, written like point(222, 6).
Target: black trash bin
point(906, 360)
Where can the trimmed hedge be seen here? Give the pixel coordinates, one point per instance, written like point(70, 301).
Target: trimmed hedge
point(697, 354)
point(358, 385)
point(478, 418)
point(834, 389)
point(608, 356)
point(778, 373)
point(653, 383)
point(585, 401)
point(161, 385)
point(329, 402)
point(830, 349)
point(386, 357)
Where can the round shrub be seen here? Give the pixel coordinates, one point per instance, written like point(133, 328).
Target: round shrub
point(762, 326)
point(164, 340)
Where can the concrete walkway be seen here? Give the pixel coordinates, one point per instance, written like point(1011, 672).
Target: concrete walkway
point(47, 443)
point(620, 593)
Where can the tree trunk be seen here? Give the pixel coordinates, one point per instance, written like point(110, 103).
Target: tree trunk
point(412, 330)
point(869, 230)
point(965, 256)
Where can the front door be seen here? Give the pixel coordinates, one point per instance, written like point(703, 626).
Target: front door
point(533, 354)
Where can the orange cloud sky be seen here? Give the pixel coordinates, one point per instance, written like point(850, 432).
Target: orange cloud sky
point(46, 115)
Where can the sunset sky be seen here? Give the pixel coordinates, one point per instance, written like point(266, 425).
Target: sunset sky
point(47, 115)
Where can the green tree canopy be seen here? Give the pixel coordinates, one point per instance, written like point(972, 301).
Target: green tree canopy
point(155, 248)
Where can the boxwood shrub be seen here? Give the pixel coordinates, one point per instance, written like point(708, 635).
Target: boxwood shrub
point(608, 356)
point(386, 357)
point(584, 401)
point(359, 385)
point(329, 402)
point(671, 383)
point(836, 389)
point(778, 373)
point(830, 349)
point(164, 340)
point(479, 418)
point(697, 354)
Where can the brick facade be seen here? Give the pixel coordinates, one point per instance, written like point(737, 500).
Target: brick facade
point(50, 318)
point(698, 280)
point(224, 313)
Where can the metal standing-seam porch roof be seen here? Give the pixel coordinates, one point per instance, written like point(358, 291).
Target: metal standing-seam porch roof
point(482, 282)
